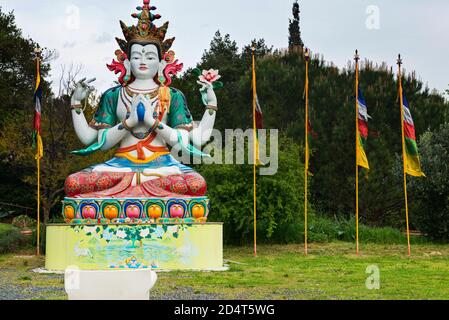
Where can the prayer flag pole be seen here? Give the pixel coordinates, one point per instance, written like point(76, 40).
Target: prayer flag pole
point(357, 58)
point(306, 167)
point(401, 99)
point(253, 49)
point(38, 139)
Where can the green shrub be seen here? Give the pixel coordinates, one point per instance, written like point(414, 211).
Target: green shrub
point(10, 238)
point(24, 222)
point(280, 197)
point(323, 229)
point(429, 197)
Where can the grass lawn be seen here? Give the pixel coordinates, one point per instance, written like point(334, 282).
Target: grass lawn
point(331, 271)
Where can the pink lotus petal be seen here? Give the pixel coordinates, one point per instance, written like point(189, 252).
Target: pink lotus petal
point(209, 76)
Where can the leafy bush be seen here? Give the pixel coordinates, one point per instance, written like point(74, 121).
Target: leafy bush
point(280, 197)
point(10, 238)
point(430, 195)
point(24, 222)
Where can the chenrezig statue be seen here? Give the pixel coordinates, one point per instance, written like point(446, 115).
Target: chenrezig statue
point(145, 118)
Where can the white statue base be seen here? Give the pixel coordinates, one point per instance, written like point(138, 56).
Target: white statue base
point(109, 285)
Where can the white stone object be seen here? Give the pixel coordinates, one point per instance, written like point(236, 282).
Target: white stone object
point(129, 284)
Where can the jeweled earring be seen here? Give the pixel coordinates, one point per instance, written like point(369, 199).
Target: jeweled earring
point(127, 65)
point(161, 76)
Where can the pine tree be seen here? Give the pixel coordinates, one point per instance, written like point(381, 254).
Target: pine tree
point(295, 43)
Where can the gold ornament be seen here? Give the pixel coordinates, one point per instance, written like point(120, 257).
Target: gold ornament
point(146, 31)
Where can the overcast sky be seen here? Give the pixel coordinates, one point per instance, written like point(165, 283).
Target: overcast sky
point(83, 31)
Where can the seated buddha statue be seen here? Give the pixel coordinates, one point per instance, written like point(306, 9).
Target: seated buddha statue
point(145, 118)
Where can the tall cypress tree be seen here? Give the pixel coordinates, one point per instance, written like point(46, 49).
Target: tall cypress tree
point(295, 43)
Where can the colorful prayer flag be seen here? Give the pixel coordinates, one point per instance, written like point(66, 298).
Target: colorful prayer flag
point(311, 135)
point(411, 157)
point(363, 117)
point(37, 138)
point(257, 115)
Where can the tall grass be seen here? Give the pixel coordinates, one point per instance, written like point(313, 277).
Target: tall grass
point(323, 230)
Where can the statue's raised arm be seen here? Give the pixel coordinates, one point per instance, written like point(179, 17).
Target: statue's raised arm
point(201, 135)
point(86, 134)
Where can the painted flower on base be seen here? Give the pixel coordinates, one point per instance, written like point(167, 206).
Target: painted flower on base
point(159, 232)
point(90, 230)
point(107, 235)
point(144, 233)
point(121, 234)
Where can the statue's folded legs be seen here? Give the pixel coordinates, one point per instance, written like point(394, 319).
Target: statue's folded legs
point(89, 184)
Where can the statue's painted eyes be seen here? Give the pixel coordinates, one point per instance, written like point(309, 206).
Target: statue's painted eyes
point(151, 57)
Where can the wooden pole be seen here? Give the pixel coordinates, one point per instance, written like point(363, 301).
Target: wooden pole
point(401, 99)
point(357, 58)
point(38, 161)
point(38, 164)
point(306, 166)
point(254, 83)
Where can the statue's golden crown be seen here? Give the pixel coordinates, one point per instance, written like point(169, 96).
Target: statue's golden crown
point(145, 31)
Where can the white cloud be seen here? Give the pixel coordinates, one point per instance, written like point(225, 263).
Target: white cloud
point(68, 45)
point(104, 38)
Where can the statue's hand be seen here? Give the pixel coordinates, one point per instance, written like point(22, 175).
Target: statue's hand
point(133, 119)
point(149, 119)
point(82, 90)
point(208, 93)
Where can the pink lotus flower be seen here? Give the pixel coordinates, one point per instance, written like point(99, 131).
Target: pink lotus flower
point(209, 76)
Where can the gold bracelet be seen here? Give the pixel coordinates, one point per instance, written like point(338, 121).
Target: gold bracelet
point(76, 106)
point(210, 107)
point(155, 125)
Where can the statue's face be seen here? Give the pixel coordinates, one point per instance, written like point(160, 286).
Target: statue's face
point(144, 61)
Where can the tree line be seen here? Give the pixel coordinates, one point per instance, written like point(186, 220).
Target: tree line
point(281, 94)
